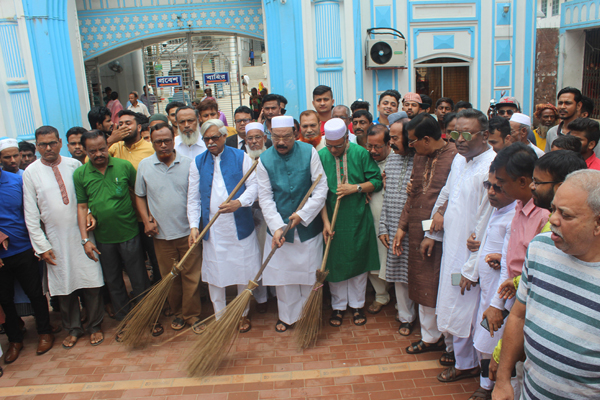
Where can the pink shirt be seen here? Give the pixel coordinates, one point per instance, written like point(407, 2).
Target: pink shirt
point(593, 162)
point(527, 222)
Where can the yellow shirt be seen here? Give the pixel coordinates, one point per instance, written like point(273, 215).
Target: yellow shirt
point(134, 154)
point(540, 142)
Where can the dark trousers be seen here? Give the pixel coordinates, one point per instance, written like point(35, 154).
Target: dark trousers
point(252, 62)
point(131, 256)
point(148, 246)
point(24, 268)
point(71, 314)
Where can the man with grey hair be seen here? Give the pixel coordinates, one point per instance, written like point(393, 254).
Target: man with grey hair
point(137, 106)
point(230, 248)
point(343, 112)
point(520, 124)
point(188, 143)
point(555, 322)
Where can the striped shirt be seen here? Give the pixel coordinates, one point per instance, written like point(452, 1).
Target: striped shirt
point(562, 323)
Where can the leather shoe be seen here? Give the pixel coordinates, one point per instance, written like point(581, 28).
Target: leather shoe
point(13, 352)
point(45, 343)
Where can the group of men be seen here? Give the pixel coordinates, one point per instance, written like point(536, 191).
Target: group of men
point(455, 200)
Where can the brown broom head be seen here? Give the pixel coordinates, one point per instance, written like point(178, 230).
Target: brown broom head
point(310, 323)
point(139, 322)
point(214, 343)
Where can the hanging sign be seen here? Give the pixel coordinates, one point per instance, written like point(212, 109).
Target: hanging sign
point(168, 81)
point(216, 77)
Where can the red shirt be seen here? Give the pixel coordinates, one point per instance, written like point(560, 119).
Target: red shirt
point(593, 162)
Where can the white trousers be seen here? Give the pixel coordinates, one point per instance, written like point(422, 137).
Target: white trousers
point(485, 383)
point(219, 300)
point(405, 306)
point(428, 319)
point(260, 293)
point(290, 300)
point(350, 292)
point(464, 351)
point(382, 295)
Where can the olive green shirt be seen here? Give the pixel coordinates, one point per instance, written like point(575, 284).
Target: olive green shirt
point(108, 199)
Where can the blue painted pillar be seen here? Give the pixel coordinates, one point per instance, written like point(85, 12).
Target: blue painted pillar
point(285, 47)
point(49, 40)
point(329, 47)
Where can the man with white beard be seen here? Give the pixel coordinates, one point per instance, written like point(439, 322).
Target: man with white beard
point(188, 143)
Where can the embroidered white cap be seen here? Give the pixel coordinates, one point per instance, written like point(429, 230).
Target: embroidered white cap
point(282, 121)
point(8, 143)
point(254, 125)
point(335, 129)
point(521, 119)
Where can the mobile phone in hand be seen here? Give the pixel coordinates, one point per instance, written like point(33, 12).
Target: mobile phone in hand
point(486, 324)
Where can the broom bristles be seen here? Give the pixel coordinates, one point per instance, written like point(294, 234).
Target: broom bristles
point(139, 322)
point(310, 323)
point(216, 340)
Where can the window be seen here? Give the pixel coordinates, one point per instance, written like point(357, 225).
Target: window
point(443, 77)
point(590, 85)
point(545, 8)
point(555, 7)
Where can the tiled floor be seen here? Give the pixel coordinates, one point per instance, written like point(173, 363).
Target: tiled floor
point(348, 363)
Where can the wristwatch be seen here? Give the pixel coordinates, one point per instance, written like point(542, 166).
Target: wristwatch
point(359, 188)
point(84, 241)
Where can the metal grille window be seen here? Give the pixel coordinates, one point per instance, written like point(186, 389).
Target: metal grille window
point(443, 77)
point(590, 86)
point(555, 7)
point(545, 8)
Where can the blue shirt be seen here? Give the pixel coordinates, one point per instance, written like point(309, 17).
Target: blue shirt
point(12, 219)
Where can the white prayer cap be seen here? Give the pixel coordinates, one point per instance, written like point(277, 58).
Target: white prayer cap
point(282, 121)
point(8, 143)
point(521, 119)
point(254, 125)
point(335, 129)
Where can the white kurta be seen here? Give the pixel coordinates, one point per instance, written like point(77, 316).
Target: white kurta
point(226, 260)
point(44, 204)
point(498, 232)
point(468, 212)
point(376, 204)
point(293, 263)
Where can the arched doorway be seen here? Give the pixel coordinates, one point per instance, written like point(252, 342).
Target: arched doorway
point(443, 77)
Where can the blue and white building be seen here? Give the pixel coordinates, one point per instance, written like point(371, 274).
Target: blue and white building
point(472, 50)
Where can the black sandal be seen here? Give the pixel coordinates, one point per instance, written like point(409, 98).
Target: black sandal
point(280, 322)
point(422, 347)
point(157, 329)
point(406, 325)
point(448, 356)
point(358, 314)
point(337, 316)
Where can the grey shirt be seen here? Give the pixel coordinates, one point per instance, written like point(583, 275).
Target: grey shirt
point(166, 190)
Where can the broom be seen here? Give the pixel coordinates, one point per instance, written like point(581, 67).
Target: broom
point(311, 319)
point(214, 344)
point(137, 325)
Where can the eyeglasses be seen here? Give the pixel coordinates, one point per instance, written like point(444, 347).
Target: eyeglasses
point(414, 141)
point(536, 183)
point(507, 112)
point(339, 146)
point(245, 121)
point(376, 147)
point(253, 138)
point(487, 185)
point(160, 142)
point(285, 138)
point(45, 145)
point(468, 136)
point(213, 138)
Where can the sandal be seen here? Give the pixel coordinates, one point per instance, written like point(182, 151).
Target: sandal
point(157, 329)
point(178, 324)
point(198, 327)
point(406, 325)
point(481, 393)
point(450, 359)
point(422, 347)
point(282, 324)
point(72, 342)
point(119, 336)
point(452, 376)
point(97, 342)
point(375, 307)
point(357, 315)
point(245, 321)
point(336, 316)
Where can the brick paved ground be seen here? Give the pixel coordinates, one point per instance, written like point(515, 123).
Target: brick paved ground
point(348, 363)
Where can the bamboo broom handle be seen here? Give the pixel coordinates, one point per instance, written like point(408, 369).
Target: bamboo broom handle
point(214, 218)
point(335, 214)
point(287, 227)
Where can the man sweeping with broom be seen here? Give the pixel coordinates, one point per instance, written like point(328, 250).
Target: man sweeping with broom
point(285, 173)
point(230, 248)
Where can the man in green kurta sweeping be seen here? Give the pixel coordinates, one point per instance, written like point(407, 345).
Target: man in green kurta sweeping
point(351, 174)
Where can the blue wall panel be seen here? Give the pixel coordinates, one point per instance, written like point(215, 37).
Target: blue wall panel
point(502, 50)
point(442, 42)
point(502, 75)
point(502, 18)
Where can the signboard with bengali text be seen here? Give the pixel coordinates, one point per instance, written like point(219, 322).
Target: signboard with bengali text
point(216, 77)
point(168, 81)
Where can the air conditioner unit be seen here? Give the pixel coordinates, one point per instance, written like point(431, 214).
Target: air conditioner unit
point(385, 52)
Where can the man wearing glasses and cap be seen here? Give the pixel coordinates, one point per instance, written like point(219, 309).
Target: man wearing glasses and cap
point(285, 173)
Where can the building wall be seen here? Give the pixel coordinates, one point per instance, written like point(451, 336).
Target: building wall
point(546, 65)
